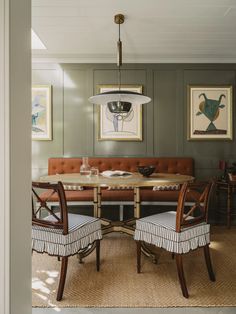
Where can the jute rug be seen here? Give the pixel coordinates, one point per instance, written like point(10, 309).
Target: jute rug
point(118, 284)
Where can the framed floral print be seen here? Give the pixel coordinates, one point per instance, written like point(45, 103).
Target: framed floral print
point(41, 112)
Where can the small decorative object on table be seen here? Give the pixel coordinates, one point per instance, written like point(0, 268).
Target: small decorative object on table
point(85, 168)
point(146, 171)
point(115, 173)
point(94, 171)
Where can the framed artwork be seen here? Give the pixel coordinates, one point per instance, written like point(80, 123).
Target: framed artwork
point(41, 112)
point(210, 113)
point(120, 126)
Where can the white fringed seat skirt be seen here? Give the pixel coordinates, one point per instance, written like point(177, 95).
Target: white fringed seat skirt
point(159, 230)
point(83, 230)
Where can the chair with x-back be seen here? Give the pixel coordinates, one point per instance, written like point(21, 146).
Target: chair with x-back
point(59, 233)
point(180, 231)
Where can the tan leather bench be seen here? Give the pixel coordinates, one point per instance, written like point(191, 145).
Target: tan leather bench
point(181, 165)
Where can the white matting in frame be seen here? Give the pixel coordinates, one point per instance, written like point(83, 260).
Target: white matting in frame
point(120, 126)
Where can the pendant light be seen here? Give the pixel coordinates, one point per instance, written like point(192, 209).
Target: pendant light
point(119, 101)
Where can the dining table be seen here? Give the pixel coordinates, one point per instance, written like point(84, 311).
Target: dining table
point(133, 181)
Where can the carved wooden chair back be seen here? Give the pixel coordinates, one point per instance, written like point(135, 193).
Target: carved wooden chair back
point(59, 220)
point(196, 213)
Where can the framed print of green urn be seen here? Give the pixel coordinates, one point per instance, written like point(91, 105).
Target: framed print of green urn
point(210, 112)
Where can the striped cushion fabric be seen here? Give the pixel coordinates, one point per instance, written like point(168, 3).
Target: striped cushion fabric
point(173, 187)
point(73, 187)
point(110, 188)
point(83, 230)
point(159, 230)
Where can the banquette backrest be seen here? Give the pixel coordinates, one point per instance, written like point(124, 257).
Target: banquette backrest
point(181, 165)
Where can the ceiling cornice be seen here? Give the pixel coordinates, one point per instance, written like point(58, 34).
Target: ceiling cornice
point(72, 58)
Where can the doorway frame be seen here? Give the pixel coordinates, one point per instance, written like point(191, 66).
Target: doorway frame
point(15, 156)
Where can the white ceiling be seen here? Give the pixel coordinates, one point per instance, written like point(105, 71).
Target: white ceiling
point(154, 30)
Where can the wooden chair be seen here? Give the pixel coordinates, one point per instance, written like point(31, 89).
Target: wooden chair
point(181, 231)
point(59, 233)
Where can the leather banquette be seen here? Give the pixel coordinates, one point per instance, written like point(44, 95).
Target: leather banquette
point(180, 165)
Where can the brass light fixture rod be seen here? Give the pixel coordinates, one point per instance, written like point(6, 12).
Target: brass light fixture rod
point(119, 19)
point(119, 102)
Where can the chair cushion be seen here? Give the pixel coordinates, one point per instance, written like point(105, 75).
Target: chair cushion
point(82, 231)
point(159, 230)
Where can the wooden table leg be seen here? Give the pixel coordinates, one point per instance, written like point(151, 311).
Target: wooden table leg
point(95, 202)
point(99, 198)
point(137, 214)
point(85, 252)
point(96, 213)
point(137, 202)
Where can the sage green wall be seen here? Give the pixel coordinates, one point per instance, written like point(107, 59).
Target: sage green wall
point(164, 119)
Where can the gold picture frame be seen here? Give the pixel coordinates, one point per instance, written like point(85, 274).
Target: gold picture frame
point(210, 115)
point(42, 112)
point(128, 126)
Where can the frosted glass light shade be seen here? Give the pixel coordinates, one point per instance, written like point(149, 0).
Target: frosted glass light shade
point(119, 96)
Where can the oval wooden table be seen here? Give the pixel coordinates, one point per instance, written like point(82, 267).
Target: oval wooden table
point(135, 181)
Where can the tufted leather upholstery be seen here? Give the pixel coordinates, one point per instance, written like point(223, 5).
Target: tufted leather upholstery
point(163, 164)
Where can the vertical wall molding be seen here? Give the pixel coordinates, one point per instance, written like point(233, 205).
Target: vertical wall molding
point(89, 92)
point(4, 159)
point(181, 128)
point(150, 113)
point(63, 110)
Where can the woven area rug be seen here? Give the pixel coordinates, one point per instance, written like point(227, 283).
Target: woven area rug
point(118, 284)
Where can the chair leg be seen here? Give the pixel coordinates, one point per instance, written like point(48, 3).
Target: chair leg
point(208, 262)
point(173, 255)
point(179, 264)
point(138, 257)
point(98, 255)
point(64, 264)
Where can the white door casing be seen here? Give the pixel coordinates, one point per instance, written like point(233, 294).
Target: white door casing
point(15, 157)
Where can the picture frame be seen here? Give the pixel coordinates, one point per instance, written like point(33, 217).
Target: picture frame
point(120, 127)
point(210, 112)
point(42, 112)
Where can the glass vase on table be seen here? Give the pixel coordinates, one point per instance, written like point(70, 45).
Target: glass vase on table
point(85, 168)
